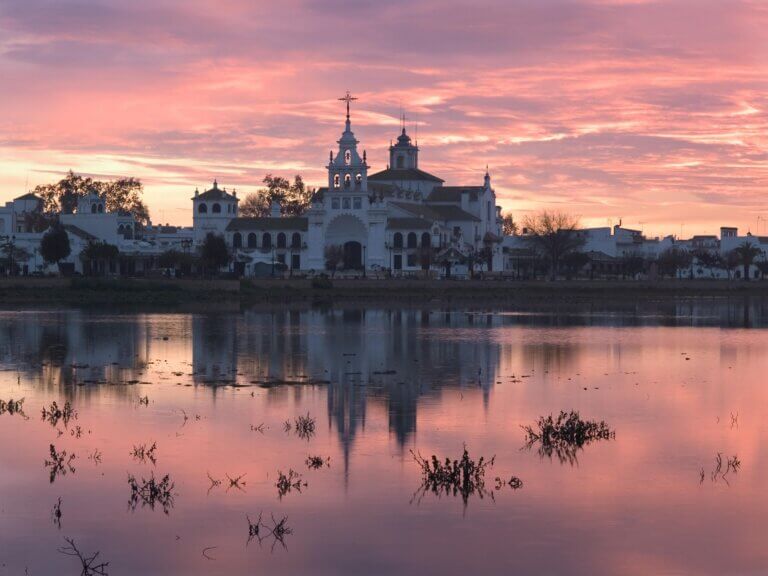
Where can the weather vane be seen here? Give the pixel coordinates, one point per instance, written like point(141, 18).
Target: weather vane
point(348, 98)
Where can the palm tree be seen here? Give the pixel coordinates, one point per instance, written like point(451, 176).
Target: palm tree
point(746, 253)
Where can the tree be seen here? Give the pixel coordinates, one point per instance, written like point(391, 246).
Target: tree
point(122, 195)
point(632, 265)
point(294, 198)
point(574, 262)
point(97, 256)
point(672, 260)
point(214, 252)
point(730, 261)
point(554, 235)
point(54, 246)
point(707, 259)
point(746, 252)
point(762, 265)
point(12, 255)
point(334, 257)
point(508, 225)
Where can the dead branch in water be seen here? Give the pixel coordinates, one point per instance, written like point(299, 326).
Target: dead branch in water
point(565, 435)
point(53, 414)
point(464, 477)
point(60, 463)
point(288, 482)
point(151, 492)
point(142, 453)
point(88, 563)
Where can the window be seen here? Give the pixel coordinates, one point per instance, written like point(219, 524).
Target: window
point(216, 208)
point(202, 209)
point(266, 240)
point(359, 178)
point(296, 240)
point(335, 203)
point(281, 258)
point(335, 180)
point(398, 261)
point(400, 162)
point(252, 240)
point(426, 240)
point(357, 202)
point(347, 157)
point(347, 180)
point(281, 240)
point(488, 210)
point(237, 240)
point(93, 208)
point(411, 260)
point(412, 241)
point(345, 203)
point(101, 208)
point(398, 240)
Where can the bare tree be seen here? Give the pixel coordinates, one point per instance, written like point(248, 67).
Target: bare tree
point(334, 257)
point(554, 234)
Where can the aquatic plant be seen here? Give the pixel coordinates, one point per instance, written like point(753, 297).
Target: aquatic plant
point(151, 492)
point(60, 463)
point(13, 407)
point(56, 514)
point(53, 414)
point(261, 531)
point(88, 563)
point(236, 482)
point(305, 426)
point(288, 482)
point(142, 453)
point(464, 477)
point(514, 482)
point(565, 435)
point(317, 462)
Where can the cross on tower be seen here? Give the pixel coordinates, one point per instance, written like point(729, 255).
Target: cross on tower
point(348, 98)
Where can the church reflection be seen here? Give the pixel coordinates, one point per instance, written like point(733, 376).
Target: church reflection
point(391, 361)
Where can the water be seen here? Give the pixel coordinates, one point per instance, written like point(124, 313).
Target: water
point(678, 384)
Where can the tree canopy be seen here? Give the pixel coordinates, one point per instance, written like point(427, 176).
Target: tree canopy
point(508, 225)
point(54, 246)
point(553, 234)
point(120, 195)
point(214, 252)
point(294, 197)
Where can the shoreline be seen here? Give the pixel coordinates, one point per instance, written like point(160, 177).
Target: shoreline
point(401, 292)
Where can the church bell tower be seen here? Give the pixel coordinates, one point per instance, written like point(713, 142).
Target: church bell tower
point(347, 171)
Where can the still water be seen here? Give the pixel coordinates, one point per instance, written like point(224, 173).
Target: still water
point(678, 385)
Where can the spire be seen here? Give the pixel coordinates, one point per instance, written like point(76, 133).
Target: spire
point(215, 184)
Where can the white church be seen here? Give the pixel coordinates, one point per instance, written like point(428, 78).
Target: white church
point(401, 219)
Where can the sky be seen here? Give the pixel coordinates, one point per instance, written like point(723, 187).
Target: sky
point(650, 112)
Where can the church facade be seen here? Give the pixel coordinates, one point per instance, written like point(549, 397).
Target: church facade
point(401, 219)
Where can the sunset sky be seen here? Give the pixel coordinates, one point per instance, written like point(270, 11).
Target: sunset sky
point(655, 112)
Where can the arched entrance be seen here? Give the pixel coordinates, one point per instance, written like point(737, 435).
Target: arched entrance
point(348, 233)
point(353, 255)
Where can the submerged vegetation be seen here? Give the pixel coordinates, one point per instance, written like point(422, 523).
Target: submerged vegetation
point(53, 414)
point(260, 530)
point(151, 492)
point(289, 482)
point(464, 477)
point(60, 463)
point(142, 453)
point(565, 435)
point(13, 407)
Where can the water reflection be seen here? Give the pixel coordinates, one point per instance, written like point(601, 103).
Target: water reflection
point(680, 383)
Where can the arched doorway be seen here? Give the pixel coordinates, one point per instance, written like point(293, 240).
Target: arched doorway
point(348, 233)
point(353, 255)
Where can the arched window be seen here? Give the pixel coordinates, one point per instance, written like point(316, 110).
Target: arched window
point(252, 240)
point(347, 157)
point(216, 209)
point(398, 240)
point(281, 240)
point(347, 180)
point(400, 162)
point(412, 241)
point(266, 240)
point(121, 229)
point(202, 209)
point(128, 232)
point(335, 180)
point(426, 240)
point(359, 178)
point(101, 208)
point(237, 240)
point(93, 208)
point(296, 240)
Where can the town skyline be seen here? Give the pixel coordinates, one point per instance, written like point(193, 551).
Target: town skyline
point(589, 107)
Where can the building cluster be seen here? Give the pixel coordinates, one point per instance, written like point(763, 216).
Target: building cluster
point(608, 249)
point(401, 219)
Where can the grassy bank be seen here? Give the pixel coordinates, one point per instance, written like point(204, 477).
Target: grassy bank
point(86, 291)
